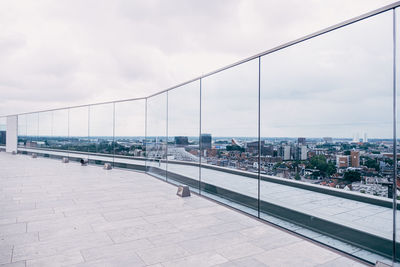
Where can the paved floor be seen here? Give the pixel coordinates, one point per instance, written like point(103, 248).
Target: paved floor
point(55, 214)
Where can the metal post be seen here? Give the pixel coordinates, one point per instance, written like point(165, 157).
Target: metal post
point(26, 130)
point(52, 123)
point(259, 134)
point(145, 134)
point(200, 145)
point(88, 130)
point(113, 143)
point(166, 142)
point(394, 138)
point(69, 139)
point(38, 125)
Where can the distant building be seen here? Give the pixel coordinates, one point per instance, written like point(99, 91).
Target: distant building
point(210, 152)
point(181, 140)
point(252, 147)
point(3, 137)
point(301, 140)
point(356, 138)
point(365, 138)
point(206, 141)
point(320, 151)
point(31, 144)
point(284, 152)
point(328, 140)
point(355, 159)
point(300, 152)
point(267, 150)
point(342, 161)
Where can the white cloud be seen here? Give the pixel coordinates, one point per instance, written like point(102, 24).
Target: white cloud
point(63, 53)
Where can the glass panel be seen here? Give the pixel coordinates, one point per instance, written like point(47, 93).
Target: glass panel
point(45, 129)
point(229, 140)
point(397, 194)
point(326, 109)
point(183, 135)
point(22, 130)
point(101, 132)
point(130, 134)
point(3, 130)
point(78, 131)
point(60, 129)
point(156, 142)
point(32, 122)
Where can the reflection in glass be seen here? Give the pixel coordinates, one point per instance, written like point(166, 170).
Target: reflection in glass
point(156, 139)
point(78, 129)
point(397, 84)
point(3, 129)
point(183, 134)
point(45, 130)
point(101, 131)
point(32, 130)
point(326, 110)
point(229, 140)
point(130, 132)
point(60, 130)
point(22, 130)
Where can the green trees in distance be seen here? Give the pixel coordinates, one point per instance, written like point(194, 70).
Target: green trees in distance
point(352, 176)
point(320, 163)
point(234, 148)
point(371, 163)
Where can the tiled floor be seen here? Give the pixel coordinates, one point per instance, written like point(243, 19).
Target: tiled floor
point(55, 214)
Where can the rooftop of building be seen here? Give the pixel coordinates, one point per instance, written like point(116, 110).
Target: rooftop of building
point(57, 214)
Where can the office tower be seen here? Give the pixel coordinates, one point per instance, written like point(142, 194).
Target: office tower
point(206, 141)
point(181, 140)
point(252, 147)
point(303, 152)
point(284, 152)
point(355, 158)
point(301, 140)
point(2, 137)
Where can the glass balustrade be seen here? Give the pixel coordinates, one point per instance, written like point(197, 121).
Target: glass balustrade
point(129, 141)
point(301, 136)
point(156, 135)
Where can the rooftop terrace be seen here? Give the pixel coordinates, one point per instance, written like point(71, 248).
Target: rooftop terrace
point(56, 214)
point(260, 137)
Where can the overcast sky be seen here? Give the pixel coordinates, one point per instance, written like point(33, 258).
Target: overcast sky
point(63, 53)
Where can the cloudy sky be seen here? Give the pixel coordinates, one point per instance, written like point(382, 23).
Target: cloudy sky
point(63, 53)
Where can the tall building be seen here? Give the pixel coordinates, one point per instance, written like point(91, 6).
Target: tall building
point(3, 137)
point(284, 152)
point(328, 140)
point(365, 138)
point(267, 150)
point(302, 151)
point(252, 147)
point(181, 140)
point(299, 152)
point(355, 158)
point(342, 161)
point(206, 141)
point(301, 140)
